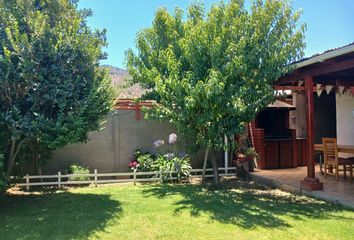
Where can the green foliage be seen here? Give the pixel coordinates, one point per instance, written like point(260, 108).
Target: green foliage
point(2, 175)
point(182, 167)
point(77, 169)
point(213, 72)
point(250, 152)
point(32, 154)
point(165, 167)
point(170, 167)
point(53, 90)
point(145, 161)
point(169, 164)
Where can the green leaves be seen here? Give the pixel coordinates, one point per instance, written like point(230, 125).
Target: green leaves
point(213, 72)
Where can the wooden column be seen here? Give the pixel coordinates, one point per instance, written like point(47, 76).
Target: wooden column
point(310, 182)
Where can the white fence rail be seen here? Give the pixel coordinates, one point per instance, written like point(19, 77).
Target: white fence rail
point(96, 178)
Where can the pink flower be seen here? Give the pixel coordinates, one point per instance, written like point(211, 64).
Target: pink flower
point(133, 164)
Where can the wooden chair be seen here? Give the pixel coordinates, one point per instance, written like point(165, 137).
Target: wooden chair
point(332, 160)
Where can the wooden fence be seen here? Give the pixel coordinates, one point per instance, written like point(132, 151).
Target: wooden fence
point(96, 178)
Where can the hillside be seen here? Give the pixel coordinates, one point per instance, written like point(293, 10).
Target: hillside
point(120, 79)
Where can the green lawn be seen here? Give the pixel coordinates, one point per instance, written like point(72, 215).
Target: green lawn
point(236, 211)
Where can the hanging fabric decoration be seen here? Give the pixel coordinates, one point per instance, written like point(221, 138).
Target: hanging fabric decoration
point(329, 88)
point(300, 82)
point(341, 89)
point(319, 92)
point(318, 89)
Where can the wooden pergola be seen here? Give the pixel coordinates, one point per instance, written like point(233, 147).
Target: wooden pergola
point(334, 67)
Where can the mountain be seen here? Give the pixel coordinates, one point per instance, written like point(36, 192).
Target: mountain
point(120, 79)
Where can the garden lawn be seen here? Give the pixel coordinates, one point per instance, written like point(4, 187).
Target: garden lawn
point(236, 211)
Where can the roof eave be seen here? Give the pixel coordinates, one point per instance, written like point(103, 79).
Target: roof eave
point(325, 56)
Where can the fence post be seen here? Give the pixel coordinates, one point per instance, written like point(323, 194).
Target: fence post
point(134, 176)
point(95, 181)
point(27, 182)
point(59, 179)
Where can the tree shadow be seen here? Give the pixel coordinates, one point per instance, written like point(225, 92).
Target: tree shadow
point(62, 215)
point(245, 204)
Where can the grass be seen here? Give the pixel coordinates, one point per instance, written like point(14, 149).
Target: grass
point(236, 211)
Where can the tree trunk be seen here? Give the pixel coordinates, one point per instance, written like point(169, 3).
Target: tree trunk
point(12, 156)
point(205, 163)
point(215, 169)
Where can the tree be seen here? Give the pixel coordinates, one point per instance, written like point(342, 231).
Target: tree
point(212, 74)
point(53, 90)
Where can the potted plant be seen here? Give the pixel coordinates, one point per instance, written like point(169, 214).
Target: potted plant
point(245, 161)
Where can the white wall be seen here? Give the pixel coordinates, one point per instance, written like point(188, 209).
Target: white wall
point(345, 119)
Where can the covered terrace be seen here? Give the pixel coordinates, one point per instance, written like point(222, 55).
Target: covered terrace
point(325, 83)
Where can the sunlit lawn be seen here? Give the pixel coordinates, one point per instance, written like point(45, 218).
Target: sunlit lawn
point(236, 211)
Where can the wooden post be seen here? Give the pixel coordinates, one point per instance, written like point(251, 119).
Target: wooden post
point(134, 176)
point(310, 127)
point(59, 179)
point(95, 177)
point(27, 182)
point(310, 182)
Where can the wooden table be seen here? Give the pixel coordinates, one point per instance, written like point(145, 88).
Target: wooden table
point(341, 149)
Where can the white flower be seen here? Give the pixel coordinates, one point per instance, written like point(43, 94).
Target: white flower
point(172, 138)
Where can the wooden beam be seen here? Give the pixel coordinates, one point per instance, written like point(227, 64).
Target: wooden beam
point(297, 88)
point(317, 71)
point(310, 182)
point(292, 88)
point(310, 126)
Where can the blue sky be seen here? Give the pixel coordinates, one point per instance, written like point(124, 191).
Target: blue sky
point(329, 22)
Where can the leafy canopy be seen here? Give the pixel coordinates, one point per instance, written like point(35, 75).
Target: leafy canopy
point(212, 73)
point(52, 87)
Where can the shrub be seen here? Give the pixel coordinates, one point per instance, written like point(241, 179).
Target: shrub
point(77, 169)
point(165, 167)
point(167, 162)
point(169, 167)
point(182, 166)
point(171, 164)
point(146, 162)
point(142, 161)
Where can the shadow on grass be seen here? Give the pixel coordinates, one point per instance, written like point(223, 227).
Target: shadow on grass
point(56, 216)
point(244, 204)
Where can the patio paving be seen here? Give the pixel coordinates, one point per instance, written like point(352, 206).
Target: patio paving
point(341, 192)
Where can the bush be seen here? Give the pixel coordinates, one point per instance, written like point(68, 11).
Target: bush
point(167, 162)
point(77, 169)
point(146, 162)
point(182, 166)
point(165, 167)
point(175, 166)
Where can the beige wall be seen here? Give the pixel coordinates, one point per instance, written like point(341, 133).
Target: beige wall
point(300, 114)
point(345, 119)
point(111, 149)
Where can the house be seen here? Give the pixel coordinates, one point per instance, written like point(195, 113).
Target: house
point(322, 88)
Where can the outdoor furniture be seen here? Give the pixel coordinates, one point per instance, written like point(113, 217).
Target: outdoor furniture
point(341, 148)
point(332, 160)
